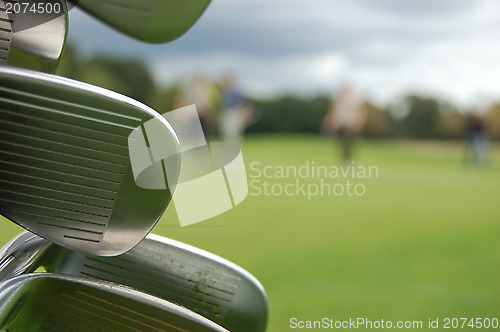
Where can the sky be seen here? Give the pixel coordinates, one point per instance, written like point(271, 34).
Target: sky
point(386, 49)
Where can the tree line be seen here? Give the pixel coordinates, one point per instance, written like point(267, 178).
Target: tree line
point(415, 117)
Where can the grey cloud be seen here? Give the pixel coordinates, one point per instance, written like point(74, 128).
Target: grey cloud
point(245, 29)
point(420, 7)
point(263, 37)
point(277, 29)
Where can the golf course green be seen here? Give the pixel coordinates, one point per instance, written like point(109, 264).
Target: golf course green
point(421, 242)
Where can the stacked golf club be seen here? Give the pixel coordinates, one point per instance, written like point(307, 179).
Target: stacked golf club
point(66, 174)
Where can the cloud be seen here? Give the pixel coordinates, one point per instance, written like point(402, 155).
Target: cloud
point(311, 73)
point(387, 47)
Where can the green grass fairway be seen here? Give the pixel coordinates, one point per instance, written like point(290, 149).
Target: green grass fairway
point(423, 242)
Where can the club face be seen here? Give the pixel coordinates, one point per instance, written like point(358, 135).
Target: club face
point(33, 40)
point(191, 277)
point(35, 302)
point(65, 168)
point(153, 21)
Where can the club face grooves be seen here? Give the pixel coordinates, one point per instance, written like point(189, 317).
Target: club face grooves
point(191, 277)
point(5, 34)
point(65, 172)
point(49, 302)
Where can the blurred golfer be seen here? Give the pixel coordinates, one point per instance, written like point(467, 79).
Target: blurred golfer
point(236, 111)
point(346, 118)
point(200, 91)
point(476, 146)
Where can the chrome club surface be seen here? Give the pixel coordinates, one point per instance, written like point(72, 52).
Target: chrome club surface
point(153, 21)
point(65, 168)
point(196, 279)
point(50, 302)
point(30, 39)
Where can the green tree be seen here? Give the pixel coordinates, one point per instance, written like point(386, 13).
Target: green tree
point(493, 122)
point(451, 125)
point(379, 122)
point(289, 114)
point(422, 120)
point(129, 77)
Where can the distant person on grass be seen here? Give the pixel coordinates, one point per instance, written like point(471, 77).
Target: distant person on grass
point(236, 112)
point(198, 90)
point(476, 149)
point(345, 118)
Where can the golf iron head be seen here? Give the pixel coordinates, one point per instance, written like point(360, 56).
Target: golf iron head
point(198, 280)
point(82, 166)
point(33, 33)
point(153, 21)
point(51, 302)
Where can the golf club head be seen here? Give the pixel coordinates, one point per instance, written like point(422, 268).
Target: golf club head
point(152, 21)
point(66, 166)
point(17, 256)
point(51, 302)
point(33, 40)
point(196, 279)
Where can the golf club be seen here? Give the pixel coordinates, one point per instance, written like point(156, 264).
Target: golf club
point(51, 302)
point(33, 39)
point(198, 280)
point(17, 256)
point(65, 162)
point(153, 21)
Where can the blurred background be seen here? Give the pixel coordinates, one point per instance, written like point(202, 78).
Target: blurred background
point(423, 89)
